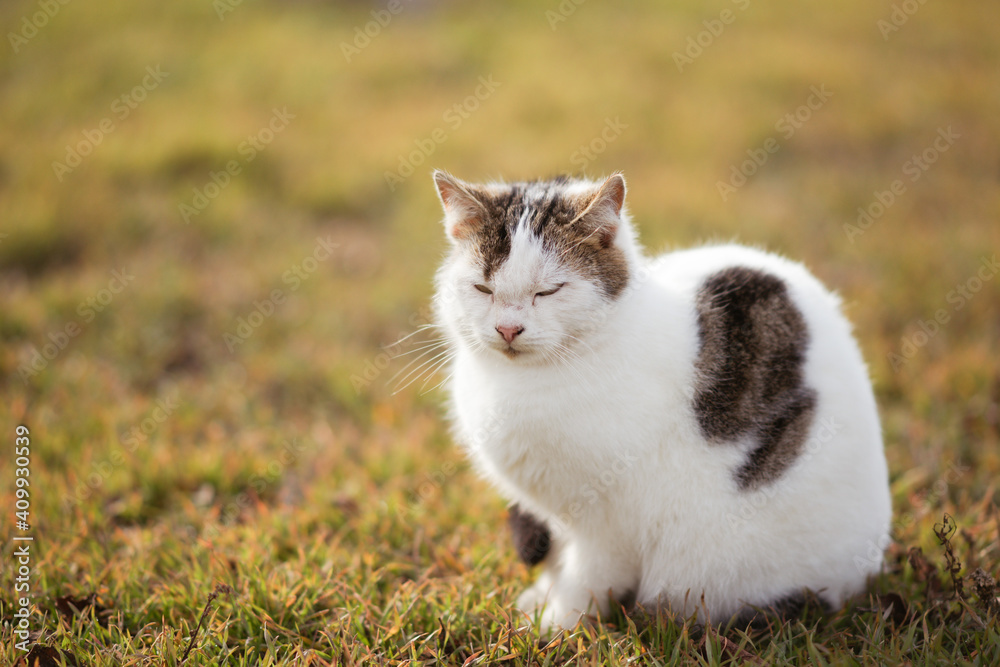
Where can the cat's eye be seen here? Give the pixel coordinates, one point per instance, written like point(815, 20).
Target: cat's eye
point(484, 289)
point(550, 292)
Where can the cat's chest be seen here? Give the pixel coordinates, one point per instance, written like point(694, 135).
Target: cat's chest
point(559, 419)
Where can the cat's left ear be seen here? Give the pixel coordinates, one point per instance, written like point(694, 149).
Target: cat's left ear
point(463, 212)
point(602, 217)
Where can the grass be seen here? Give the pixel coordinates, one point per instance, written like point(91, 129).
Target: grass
point(220, 415)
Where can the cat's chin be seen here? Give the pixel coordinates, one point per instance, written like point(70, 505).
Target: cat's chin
point(522, 356)
point(516, 354)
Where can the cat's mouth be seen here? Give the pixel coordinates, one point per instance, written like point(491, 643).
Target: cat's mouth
point(510, 352)
point(521, 351)
point(515, 350)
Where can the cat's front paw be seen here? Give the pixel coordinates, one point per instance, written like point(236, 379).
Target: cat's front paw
point(551, 615)
point(533, 599)
point(555, 619)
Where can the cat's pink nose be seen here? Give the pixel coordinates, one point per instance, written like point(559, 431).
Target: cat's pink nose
point(509, 333)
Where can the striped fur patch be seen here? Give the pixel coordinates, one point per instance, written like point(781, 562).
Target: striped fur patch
point(753, 344)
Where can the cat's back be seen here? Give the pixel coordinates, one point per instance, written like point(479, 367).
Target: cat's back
point(766, 325)
point(773, 364)
point(781, 392)
point(732, 290)
point(688, 270)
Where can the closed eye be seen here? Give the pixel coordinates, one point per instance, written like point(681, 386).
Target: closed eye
point(484, 289)
point(550, 292)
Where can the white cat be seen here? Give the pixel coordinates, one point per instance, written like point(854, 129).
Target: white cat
point(695, 431)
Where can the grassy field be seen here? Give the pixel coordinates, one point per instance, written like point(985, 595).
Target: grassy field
point(214, 217)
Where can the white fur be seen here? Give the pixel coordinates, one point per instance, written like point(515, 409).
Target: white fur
point(591, 428)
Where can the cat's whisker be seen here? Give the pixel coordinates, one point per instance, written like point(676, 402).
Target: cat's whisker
point(417, 368)
point(422, 352)
point(418, 362)
point(420, 371)
point(587, 371)
point(570, 359)
point(564, 359)
point(420, 329)
point(431, 370)
point(580, 341)
point(430, 374)
point(423, 346)
point(440, 384)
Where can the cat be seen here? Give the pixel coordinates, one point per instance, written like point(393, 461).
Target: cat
point(694, 432)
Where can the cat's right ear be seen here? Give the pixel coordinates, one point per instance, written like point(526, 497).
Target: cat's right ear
point(463, 212)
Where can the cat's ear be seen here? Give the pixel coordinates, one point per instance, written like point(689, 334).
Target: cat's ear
point(463, 212)
point(602, 217)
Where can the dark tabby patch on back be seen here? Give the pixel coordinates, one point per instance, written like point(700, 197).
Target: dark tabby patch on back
point(531, 536)
point(753, 345)
point(550, 214)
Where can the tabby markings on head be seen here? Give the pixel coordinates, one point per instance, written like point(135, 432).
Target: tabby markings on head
point(753, 344)
point(543, 210)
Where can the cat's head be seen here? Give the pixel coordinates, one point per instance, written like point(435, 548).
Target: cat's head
point(534, 266)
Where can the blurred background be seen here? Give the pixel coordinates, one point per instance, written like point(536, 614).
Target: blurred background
point(216, 215)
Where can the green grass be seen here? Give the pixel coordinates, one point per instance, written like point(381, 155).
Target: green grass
point(172, 454)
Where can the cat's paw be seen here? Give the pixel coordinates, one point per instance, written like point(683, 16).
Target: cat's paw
point(551, 615)
point(555, 619)
point(534, 598)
